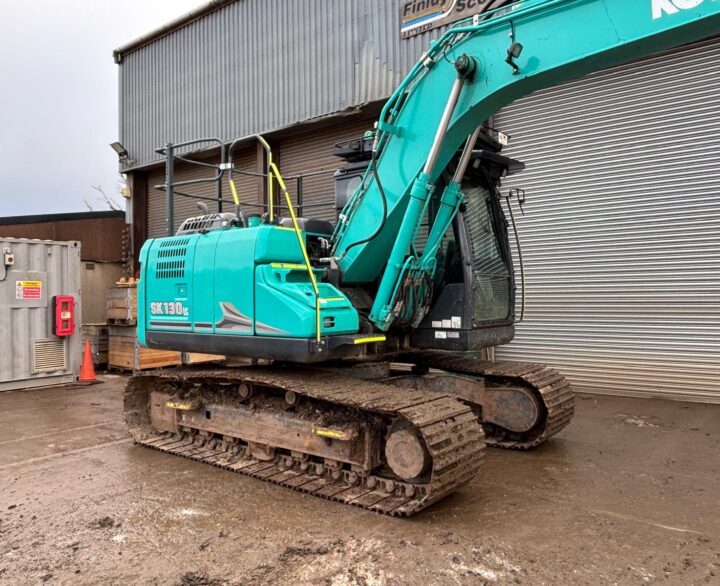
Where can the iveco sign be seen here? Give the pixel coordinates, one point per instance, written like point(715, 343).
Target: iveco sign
point(418, 16)
point(661, 7)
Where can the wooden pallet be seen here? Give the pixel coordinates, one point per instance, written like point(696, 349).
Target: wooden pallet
point(125, 353)
point(121, 305)
point(200, 358)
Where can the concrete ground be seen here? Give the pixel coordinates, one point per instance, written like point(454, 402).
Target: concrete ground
point(628, 494)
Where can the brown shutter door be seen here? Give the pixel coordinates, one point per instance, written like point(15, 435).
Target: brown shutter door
point(185, 207)
point(311, 152)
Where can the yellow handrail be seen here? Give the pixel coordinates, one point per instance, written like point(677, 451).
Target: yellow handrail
point(236, 199)
point(273, 170)
point(279, 178)
point(271, 165)
point(231, 181)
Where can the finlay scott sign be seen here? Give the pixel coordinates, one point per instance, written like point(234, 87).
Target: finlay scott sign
point(418, 16)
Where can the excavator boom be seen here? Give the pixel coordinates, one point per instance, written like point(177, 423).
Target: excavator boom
point(462, 80)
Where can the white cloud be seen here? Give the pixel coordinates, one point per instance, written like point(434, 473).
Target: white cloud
point(58, 97)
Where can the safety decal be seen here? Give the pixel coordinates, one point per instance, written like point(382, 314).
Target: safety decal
point(28, 289)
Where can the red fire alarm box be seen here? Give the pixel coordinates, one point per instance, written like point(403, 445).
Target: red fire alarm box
point(64, 323)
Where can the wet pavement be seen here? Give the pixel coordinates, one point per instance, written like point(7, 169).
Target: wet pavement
point(628, 494)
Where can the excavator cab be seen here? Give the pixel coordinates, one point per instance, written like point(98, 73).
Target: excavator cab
point(473, 304)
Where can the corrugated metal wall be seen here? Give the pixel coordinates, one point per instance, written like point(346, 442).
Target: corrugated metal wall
point(621, 234)
point(258, 66)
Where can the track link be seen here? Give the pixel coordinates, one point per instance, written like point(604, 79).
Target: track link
point(550, 387)
point(450, 431)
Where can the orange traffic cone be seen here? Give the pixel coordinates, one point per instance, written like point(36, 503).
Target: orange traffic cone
point(87, 371)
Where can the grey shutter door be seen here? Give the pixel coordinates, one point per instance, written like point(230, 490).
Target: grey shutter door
point(621, 232)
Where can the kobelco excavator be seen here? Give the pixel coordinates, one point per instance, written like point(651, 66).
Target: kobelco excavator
point(417, 271)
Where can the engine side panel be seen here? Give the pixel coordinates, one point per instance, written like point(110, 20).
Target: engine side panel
point(233, 282)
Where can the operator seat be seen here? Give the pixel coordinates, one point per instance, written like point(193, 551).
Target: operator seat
point(310, 225)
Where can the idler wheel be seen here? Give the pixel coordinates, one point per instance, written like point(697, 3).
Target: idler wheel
point(406, 454)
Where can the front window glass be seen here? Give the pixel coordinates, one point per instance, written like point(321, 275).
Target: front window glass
point(491, 262)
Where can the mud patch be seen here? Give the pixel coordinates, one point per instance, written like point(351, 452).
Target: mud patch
point(105, 523)
point(338, 562)
point(199, 579)
point(187, 513)
point(488, 565)
point(639, 421)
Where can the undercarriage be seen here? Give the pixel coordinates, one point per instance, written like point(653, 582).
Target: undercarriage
point(392, 438)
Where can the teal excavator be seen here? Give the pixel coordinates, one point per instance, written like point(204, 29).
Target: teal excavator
point(365, 382)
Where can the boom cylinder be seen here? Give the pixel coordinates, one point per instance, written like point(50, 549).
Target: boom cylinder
point(443, 126)
point(381, 313)
point(451, 198)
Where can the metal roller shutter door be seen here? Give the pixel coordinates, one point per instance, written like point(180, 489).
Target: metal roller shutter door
point(311, 151)
point(621, 236)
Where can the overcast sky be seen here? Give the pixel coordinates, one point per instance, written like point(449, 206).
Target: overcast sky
point(58, 97)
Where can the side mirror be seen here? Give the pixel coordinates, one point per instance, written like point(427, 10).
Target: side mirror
point(514, 51)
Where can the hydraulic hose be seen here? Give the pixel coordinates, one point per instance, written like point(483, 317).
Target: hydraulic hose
point(383, 198)
point(520, 258)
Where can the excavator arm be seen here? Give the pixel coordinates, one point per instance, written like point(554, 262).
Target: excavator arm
point(471, 72)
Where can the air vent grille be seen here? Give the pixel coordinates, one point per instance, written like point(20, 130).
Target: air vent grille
point(175, 242)
point(170, 269)
point(173, 252)
point(49, 354)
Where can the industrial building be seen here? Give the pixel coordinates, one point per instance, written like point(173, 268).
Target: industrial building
point(620, 229)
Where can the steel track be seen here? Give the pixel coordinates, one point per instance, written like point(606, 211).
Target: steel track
point(550, 387)
point(450, 431)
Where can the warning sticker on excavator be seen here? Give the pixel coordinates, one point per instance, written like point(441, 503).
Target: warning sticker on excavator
point(28, 289)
